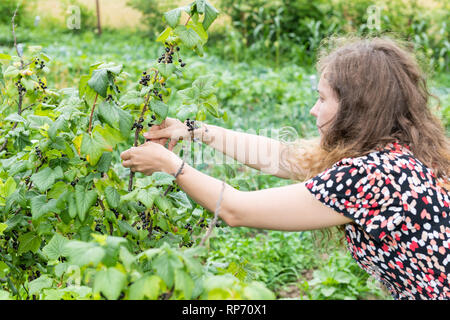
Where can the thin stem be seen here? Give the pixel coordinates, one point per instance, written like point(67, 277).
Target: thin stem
point(92, 114)
point(15, 39)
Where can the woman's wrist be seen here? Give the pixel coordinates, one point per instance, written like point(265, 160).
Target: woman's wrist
point(174, 163)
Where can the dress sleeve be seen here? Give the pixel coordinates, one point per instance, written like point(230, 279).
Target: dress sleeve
point(361, 192)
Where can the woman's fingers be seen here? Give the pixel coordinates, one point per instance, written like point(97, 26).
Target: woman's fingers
point(157, 134)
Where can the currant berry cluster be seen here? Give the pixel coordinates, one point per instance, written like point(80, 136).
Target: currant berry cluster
point(150, 124)
point(138, 125)
point(188, 227)
point(38, 152)
point(116, 213)
point(74, 182)
point(98, 227)
point(109, 97)
point(42, 84)
point(145, 220)
point(145, 79)
point(190, 124)
point(39, 63)
point(20, 87)
point(157, 94)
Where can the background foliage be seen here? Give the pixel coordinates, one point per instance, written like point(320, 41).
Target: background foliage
point(263, 72)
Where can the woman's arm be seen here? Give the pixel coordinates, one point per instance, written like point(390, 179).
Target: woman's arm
point(288, 208)
point(255, 151)
point(258, 152)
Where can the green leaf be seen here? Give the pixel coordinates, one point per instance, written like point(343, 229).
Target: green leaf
point(160, 108)
point(257, 291)
point(5, 56)
point(45, 178)
point(112, 197)
point(147, 196)
point(11, 72)
point(165, 266)
point(3, 227)
point(205, 85)
point(184, 283)
point(125, 227)
point(145, 287)
point(189, 37)
point(7, 188)
point(109, 113)
point(163, 204)
point(200, 6)
point(55, 248)
point(166, 69)
point(36, 286)
point(93, 145)
point(83, 253)
point(72, 205)
point(172, 17)
point(99, 82)
point(211, 14)
point(198, 28)
point(84, 200)
point(29, 242)
point(164, 35)
point(110, 282)
point(104, 162)
point(39, 206)
point(14, 117)
point(162, 178)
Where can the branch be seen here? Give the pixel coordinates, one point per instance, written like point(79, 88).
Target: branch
point(15, 39)
point(92, 114)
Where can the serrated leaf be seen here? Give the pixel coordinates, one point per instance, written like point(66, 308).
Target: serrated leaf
point(7, 188)
point(112, 197)
point(110, 282)
point(39, 206)
point(164, 35)
point(83, 253)
point(205, 85)
point(14, 117)
point(166, 69)
point(28, 242)
point(99, 82)
point(160, 108)
point(184, 283)
point(172, 17)
point(55, 248)
point(145, 287)
point(211, 14)
point(84, 200)
point(147, 196)
point(189, 37)
point(162, 178)
point(36, 286)
point(45, 178)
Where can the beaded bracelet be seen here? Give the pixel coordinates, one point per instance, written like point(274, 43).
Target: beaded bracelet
point(179, 170)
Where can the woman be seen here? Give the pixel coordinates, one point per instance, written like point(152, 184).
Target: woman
point(380, 169)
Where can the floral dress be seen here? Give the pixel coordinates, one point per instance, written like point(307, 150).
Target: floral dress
point(401, 229)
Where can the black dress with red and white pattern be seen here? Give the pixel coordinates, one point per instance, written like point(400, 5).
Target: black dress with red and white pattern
point(401, 229)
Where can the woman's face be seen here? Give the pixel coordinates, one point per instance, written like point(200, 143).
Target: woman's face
point(326, 106)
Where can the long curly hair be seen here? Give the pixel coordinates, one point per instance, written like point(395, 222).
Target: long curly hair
point(383, 97)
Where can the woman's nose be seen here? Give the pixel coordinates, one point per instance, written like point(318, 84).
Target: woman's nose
point(313, 111)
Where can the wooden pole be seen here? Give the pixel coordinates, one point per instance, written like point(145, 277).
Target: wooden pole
point(99, 25)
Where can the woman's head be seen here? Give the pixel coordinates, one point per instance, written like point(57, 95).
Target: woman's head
point(372, 92)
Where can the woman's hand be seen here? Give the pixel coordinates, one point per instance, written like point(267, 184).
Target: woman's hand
point(150, 157)
point(169, 128)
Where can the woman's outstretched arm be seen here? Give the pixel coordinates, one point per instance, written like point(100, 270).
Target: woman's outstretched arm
point(288, 208)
